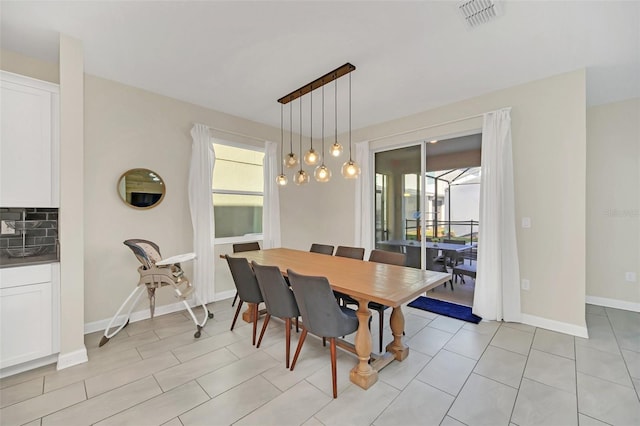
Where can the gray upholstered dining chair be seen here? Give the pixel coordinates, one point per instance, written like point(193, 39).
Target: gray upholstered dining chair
point(321, 315)
point(279, 300)
point(413, 260)
point(248, 289)
point(352, 252)
point(238, 248)
point(321, 248)
point(390, 258)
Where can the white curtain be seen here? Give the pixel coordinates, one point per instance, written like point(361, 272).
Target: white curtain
point(364, 198)
point(497, 288)
point(201, 206)
point(271, 201)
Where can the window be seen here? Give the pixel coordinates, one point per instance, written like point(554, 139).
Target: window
point(238, 192)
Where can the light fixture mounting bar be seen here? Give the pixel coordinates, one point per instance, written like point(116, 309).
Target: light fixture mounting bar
point(319, 82)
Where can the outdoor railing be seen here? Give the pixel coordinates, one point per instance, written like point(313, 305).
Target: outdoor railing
point(466, 230)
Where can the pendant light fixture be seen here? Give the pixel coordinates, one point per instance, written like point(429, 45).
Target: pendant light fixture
point(281, 179)
point(322, 172)
point(301, 176)
point(350, 169)
point(336, 148)
point(291, 160)
point(311, 157)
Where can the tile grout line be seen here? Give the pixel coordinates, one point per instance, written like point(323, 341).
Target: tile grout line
point(470, 373)
point(524, 369)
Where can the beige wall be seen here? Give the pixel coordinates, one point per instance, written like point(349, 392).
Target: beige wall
point(70, 220)
point(613, 201)
point(129, 128)
point(549, 144)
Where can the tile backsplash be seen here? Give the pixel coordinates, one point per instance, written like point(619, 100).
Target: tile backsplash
point(28, 234)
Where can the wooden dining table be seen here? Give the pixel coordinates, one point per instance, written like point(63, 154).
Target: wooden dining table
point(366, 282)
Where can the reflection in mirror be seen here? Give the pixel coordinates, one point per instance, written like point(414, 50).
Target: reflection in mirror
point(141, 188)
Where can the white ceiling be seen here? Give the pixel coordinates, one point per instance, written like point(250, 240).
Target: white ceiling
point(240, 57)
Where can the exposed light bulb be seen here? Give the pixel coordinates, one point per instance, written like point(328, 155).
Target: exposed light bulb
point(281, 179)
point(322, 173)
point(350, 170)
point(336, 149)
point(311, 158)
point(291, 160)
point(301, 177)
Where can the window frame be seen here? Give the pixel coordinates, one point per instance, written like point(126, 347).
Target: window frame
point(247, 237)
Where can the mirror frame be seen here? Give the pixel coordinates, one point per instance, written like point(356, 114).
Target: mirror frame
point(148, 171)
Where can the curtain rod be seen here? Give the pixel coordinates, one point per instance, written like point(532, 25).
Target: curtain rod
point(230, 132)
point(426, 127)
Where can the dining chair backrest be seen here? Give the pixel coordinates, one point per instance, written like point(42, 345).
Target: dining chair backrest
point(321, 248)
point(352, 252)
point(388, 257)
point(244, 279)
point(240, 247)
point(413, 258)
point(320, 312)
point(278, 297)
point(430, 260)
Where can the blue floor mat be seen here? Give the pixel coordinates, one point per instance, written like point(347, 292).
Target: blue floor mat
point(445, 308)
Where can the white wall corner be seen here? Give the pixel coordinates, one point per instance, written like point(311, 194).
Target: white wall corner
point(613, 303)
point(561, 327)
point(72, 358)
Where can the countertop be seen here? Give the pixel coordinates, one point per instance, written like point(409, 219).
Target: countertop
point(10, 262)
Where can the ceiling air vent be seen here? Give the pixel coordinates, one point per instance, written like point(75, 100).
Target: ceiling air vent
point(478, 12)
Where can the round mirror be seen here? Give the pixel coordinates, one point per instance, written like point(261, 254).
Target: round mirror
point(141, 188)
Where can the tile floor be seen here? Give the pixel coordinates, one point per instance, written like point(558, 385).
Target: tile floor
point(155, 373)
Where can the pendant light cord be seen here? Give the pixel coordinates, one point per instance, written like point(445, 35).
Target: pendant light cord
point(300, 148)
point(350, 159)
point(335, 109)
point(281, 137)
point(290, 129)
point(322, 133)
point(311, 120)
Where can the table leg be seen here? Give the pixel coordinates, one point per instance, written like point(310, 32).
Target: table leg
point(399, 350)
point(247, 315)
point(363, 374)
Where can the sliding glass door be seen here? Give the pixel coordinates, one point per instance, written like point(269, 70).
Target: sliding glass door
point(398, 198)
point(427, 192)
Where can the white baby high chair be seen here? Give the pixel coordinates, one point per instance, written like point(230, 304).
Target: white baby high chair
point(157, 272)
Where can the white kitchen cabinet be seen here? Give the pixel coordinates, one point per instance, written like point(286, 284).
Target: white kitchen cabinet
point(29, 313)
point(29, 142)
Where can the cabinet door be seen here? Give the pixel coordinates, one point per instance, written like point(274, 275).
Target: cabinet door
point(27, 145)
point(25, 331)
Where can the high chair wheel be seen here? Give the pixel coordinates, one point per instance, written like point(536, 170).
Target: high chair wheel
point(197, 335)
point(210, 314)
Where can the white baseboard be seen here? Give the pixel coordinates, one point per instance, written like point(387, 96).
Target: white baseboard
point(143, 314)
point(561, 327)
point(224, 295)
point(29, 365)
point(613, 303)
point(72, 358)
